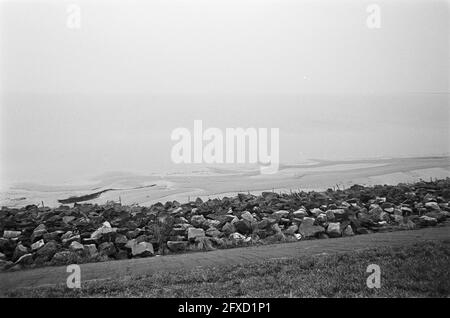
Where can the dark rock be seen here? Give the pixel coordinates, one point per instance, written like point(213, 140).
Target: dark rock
point(177, 246)
point(107, 248)
point(243, 226)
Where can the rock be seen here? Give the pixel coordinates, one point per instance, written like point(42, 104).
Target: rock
point(104, 229)
point(69, 240)
point(243, 226)
point(212, 223)
point(68, 219)
point(197, 220)
point(11, 234)
point(384, 216)
point(19, 251)
point(177, 211)
point(237, 237)
point(348, 231)
point(194, 233)
point(38, 232)
point(213, 232)
point(90, 250)
point(308, 230)
point(142, 249)
point(322, 218)
point(398, 218)
point(300, 213)
point(121, 254)
point(269, 196)
point(439, 216)
point(203, 244)
point(248, 217)
point(37, 245)
point(308, 221)
point(26, 259)
point(4, 265)
point(64, 258)
point(264, 224)
point(330, 215)
point(76, 247)
point(432, 206)
point(427, 221)
point(334, 230)
point(107, 249)
point(291, 230)
point(316, 212)
point(407, 225)
point(298, 236)
point(339, 214)
point(406, 210)
point(53, 236)
point(177, 246)
point(277, 237)
point(375, 214)
point(121, 240)
point(228, 228)
point(280, 214)
point(46, 252)
point(2, 257)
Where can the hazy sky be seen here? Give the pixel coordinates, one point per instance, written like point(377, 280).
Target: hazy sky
point(106, 96)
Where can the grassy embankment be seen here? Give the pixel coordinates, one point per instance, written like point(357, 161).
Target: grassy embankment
point(420, 270)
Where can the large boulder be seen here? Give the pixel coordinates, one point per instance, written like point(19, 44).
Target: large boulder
point(228, 228)
point(107, 249)
point(76, 247)
point(37, 245)
point(432, 206)
point(334, 229)
point(177, 246)
point(65, 258)
point(280, 214)
point(308, 230)
point(248, 217)
point(243, 226)
point(38, 232)
point(46, 252)
point(198, 220)
point(213, 232)
point(300, 213)
point(194, 233)
point(11, 234)
point(142, 249)
point(26, 259)
point(104, 229)
point(19, 251)
point(427, 221)
point(348, 231)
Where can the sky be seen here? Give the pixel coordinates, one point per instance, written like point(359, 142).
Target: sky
point(107, 95)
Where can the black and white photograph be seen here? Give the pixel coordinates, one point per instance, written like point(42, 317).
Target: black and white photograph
point(247, 150)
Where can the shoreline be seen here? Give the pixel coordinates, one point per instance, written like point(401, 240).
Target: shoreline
point(135, 189)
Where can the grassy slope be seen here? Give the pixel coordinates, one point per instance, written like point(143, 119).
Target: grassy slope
point(420, 270)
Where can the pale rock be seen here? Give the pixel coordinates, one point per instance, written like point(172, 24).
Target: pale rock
point(334, 229)
point(194, 233)
point(37, 245)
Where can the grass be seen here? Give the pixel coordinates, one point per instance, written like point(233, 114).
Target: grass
point(420, 270)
